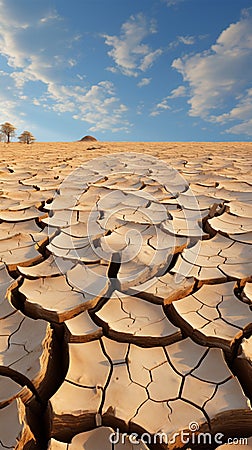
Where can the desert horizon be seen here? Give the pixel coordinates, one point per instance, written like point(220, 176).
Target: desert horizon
point(160, 148)
point(125, 295)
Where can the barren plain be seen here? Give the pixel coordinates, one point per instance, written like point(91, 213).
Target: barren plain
point(125, 296)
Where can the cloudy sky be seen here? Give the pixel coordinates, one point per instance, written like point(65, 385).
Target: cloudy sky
point(127, 70)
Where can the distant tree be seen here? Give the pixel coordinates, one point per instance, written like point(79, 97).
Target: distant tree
point(7, 130)
point(26, 137)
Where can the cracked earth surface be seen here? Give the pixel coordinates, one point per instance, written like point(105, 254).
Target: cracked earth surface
point(125, 295)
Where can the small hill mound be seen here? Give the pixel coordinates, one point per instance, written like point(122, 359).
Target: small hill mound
point(88, 139)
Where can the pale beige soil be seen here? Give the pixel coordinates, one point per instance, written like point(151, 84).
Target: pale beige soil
point(160, 341)
point(83, 151)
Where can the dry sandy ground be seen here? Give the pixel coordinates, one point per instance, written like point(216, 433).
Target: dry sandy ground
point(125, 295)
point(86, 150)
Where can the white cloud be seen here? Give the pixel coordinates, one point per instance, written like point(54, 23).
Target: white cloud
point(242, 112)
point(241, 128)
point(97, 105)
point(40, 50)
point(220, 76)
point(51, 16)
point(180, 91)
point(72, 62)
point(100, 110)
point(160, 107)
point(172, 2)
point(9, 111)
point(163, 105)
point(140, 108)
point(154, 113)
point(144, 82)
point(149, 59)
point(187, 40)
point(112, 69)
point(36, 102)
point(129, 53)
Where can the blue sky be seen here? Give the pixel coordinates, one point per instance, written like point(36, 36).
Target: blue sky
point(127, 70)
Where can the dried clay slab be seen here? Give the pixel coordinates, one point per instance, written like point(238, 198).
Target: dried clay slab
point(246, 238)
point(20, 205)
point(61, 202)
point(139, 240)
point(86, 253)
point(231, 224)
point(207, 274)
point(61, 219)
point(157, 389)
point(225, 194)
point(26, 228)
point(86, 229)
point(15, 432)
point(13, 388)
point(237, 253)
point(243, 365)
point(176, 385)
point(8, 203)
point(104, 199)
point(16, 175)
point(238, 260)
point(62, 297)
point(131, 182)
point(104, 438)
point(81, 328)
point(210, 260)
point(125, 318)
point(18, 250)
point(209, 248)
point(65, 242)
point(24, 355)
point(236, 185)
point(184, 227)
point(247, 291)
point(240, 271)
point(130, 199)
point(202, 259)
point(142, 260)
point(213, 315)
point(197, 202)
point(5, 282)
point(49, 267)
point(19, 216)
point(80, 395)
point(164, 289)
point(152, 215)
point(7, 187)
point(51, 299)
point(9, 320)
point(240, 209)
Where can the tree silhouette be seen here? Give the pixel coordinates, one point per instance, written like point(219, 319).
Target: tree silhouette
point(8, 131)
point(26, 137)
